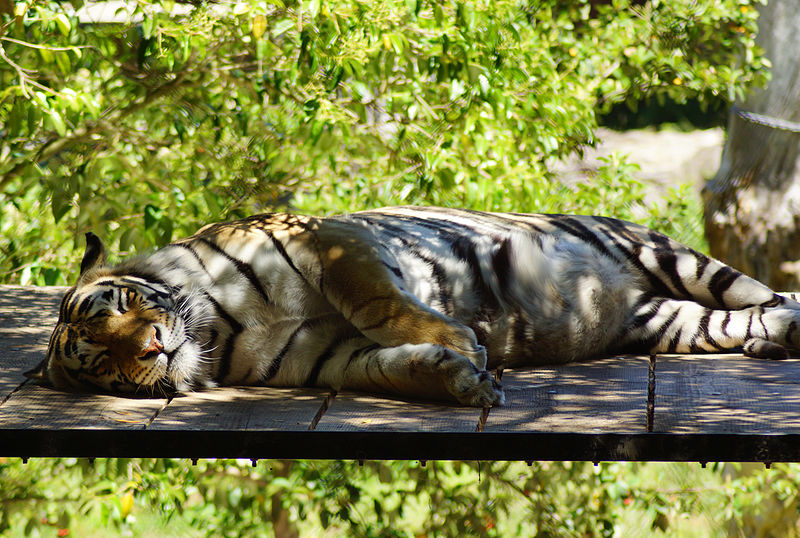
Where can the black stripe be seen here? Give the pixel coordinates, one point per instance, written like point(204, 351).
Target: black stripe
point(282, 251)
point(355, 308)
point(501, 264)
point(519, 330)
point(724, 326)
point(360, 352)
point(632, 256)
point(194, 253)
point(702, 327)
point(244, 268)
point(674, 341)
point(667, 261)
point(140, 273)
point(383, 374)
point(87, 302)
point(149, 284)
point(224, 364)
point(702, 263)
point(66, 304)
point(662, 330)
point(275, 365)
point(326, 355)
point(442, 283)
point(436, 223)
point(464, 249)
point(652, 339)
point(394, 270)
point(640, 320)
point(55, 337)
point(577, 229)
point(447, 356)
point(790, 332)
point(763, 325)
point(721, 281)
point(527, 224)
point(444, 293)
point(776, 300)
point(748, 334)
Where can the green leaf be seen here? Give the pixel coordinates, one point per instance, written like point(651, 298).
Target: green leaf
point(63, 23)
point(128, 239)
point(47, 55)
point(57, 122)
point(282, 26)
point(51, 276)
point(483, 82)
point(152, 214)
point(148, 25)
point(311, 7)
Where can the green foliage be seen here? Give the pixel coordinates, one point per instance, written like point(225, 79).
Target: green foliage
point(400, 499)
point(142, 131)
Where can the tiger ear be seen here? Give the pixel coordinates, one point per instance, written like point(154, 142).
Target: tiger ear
point(95, 255)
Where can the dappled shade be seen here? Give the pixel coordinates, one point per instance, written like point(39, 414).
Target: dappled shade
point(591, 410)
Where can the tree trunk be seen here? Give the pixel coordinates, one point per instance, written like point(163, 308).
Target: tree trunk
point(282, 525)
point(752, 205)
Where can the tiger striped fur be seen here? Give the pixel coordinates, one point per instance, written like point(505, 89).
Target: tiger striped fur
point(408, 300)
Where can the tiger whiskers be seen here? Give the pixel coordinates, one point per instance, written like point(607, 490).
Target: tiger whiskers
point(193, 307)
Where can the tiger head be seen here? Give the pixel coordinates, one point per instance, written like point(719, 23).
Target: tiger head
point(118, 330)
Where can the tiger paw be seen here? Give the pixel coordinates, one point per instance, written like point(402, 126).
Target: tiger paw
point(484, 392)
point(476, 356)
point(764, 349)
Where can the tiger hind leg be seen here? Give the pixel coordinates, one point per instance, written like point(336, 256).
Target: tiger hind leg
point(678, 326)
point(421, 370)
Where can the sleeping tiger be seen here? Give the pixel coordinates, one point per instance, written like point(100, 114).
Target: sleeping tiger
point(419, 302)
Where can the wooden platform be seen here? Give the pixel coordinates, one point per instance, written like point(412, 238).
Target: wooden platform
point(705, 408)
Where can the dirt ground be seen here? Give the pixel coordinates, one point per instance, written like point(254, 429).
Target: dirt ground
point(666, 158)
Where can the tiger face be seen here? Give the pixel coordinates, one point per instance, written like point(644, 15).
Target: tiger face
point(118, 333)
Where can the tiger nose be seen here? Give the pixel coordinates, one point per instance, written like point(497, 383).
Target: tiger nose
point(153, 346)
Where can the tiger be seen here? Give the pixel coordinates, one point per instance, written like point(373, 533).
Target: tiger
point(419, 302)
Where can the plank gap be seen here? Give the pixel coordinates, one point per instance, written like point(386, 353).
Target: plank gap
point(498, 376)
point(651, 394)
point(159, 410)
point(18, 387)
point(322, 410)
point(482, 419)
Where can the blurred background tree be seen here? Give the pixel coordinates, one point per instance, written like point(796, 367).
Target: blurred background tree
point(752, 204)
point(143, 120)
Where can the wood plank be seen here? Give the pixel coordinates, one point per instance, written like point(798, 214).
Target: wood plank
point(27, 317)
point(607, 395)
point(707, 408)
point(726, 394)
point(242, 408)
point(353, 412)
point(37, 407)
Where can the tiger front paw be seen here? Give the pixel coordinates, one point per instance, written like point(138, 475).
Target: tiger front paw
point(484, 391)
point(477, 356)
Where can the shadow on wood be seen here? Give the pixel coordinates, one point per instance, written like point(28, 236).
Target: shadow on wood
point(707, 408)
